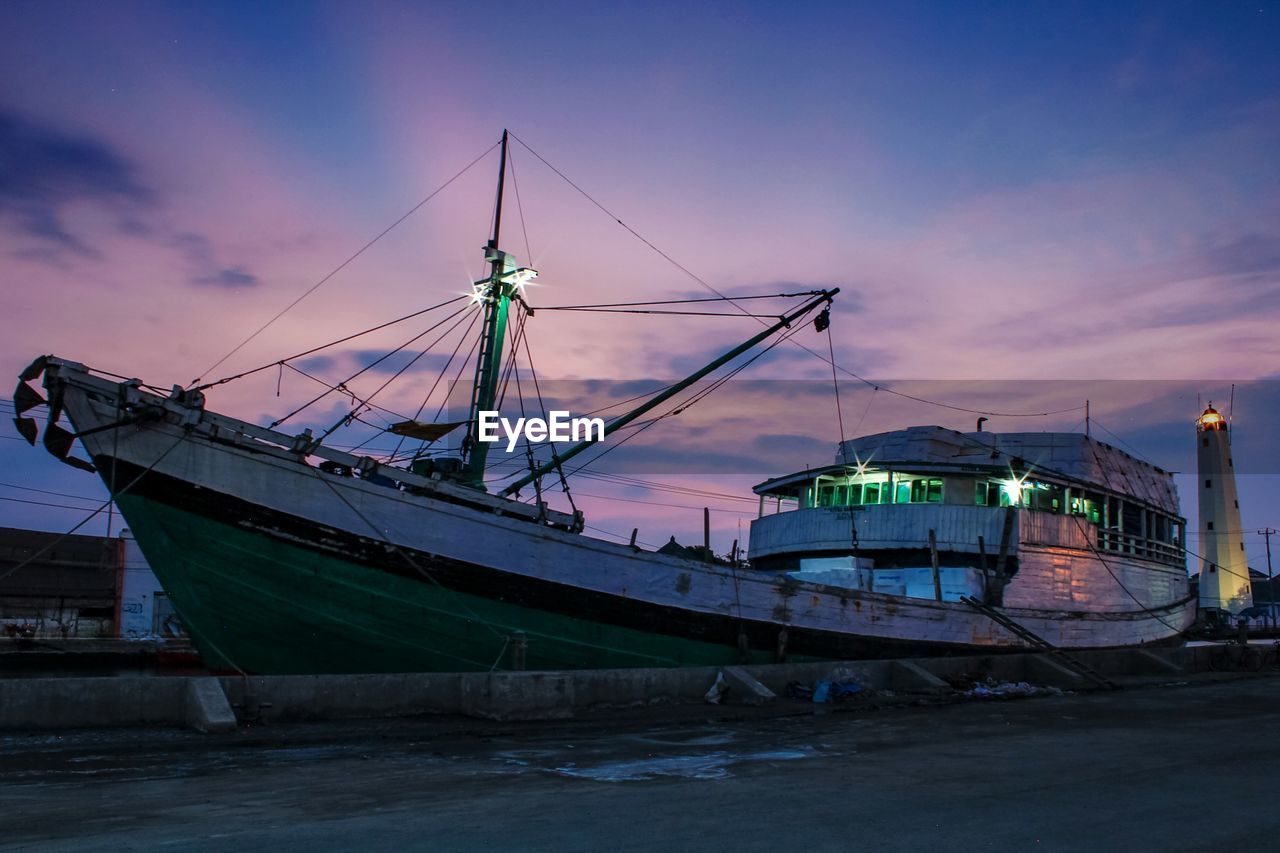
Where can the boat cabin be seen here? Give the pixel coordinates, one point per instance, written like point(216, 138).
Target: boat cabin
point(979, 496)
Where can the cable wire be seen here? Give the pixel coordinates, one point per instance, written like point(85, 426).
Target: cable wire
point(732, 301)
point(342, 265)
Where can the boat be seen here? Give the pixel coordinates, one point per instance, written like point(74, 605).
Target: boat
point(949, 537)
point(282, 554)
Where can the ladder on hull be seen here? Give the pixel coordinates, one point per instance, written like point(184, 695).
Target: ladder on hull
point(1035, 640)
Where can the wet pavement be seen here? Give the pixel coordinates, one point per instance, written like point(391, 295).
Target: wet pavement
point(1173, 768)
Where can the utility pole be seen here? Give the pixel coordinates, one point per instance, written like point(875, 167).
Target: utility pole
point(1271, 589)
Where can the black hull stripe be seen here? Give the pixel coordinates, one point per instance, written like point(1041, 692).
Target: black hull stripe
point(536, 593)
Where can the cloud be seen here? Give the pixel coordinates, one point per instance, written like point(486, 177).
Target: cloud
point(44, 170)
point(1247, 253)
point(198, 253)
point(230, 277)
point(47, 174)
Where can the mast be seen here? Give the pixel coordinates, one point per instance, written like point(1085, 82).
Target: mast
point(653, 402)
point(494, 294)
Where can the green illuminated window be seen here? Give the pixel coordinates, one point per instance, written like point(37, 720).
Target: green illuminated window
point(926, 491)
point(1045, 497)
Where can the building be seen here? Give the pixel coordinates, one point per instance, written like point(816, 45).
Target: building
point(70, 586)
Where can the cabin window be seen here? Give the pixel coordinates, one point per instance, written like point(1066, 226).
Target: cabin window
point(1093, 507)
point(1045, 497)
point(923, 490)
point(1088, 505)
point(831, 493)
point(1131, 519)
point(926, 491)
point(992, 493)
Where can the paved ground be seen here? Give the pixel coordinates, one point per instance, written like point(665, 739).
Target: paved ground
point(1183, 768)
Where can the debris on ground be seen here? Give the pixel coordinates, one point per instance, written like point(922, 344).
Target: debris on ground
point(825, 690)
point(717, 690)
point(992, 689)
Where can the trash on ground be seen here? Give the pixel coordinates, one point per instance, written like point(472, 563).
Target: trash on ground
point(992, 689)
point(717, 690)
point(824, 691)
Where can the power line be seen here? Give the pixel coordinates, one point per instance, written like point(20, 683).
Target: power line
point(662, 503)
point(46, 492)
point(44, 503)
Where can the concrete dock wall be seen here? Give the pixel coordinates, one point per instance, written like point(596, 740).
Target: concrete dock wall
point(50, 703)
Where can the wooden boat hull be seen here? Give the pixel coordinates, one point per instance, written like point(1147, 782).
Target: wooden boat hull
point(278, 567)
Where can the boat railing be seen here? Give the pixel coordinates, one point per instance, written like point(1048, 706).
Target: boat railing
point(1140, 546)
point(831, 529)
point(956, 528)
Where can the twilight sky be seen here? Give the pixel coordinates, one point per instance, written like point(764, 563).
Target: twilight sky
point(1020, 191)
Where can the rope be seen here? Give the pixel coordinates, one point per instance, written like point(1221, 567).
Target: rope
point(340, 388)
point(392, 378)
point(669, 313)
point(733, 302)
point(304, 353)
point(343, 265)
point(865, 411)
point(369, 366)
point(443, 370)
point(511, 164)
point(696, 398)
point(836, 384)
point(680, 301)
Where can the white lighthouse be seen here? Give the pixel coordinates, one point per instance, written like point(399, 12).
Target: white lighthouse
point(1224, 573)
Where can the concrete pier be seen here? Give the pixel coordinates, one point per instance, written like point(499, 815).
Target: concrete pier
point(55, 703)
point(1134, 769)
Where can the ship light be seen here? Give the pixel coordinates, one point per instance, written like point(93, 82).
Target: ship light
point(521, 277)
point(1013, 488)
point(479, 292)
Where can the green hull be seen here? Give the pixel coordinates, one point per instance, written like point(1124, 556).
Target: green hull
point(269, 606)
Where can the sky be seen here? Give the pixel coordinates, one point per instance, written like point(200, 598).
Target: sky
point(1025, 205)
